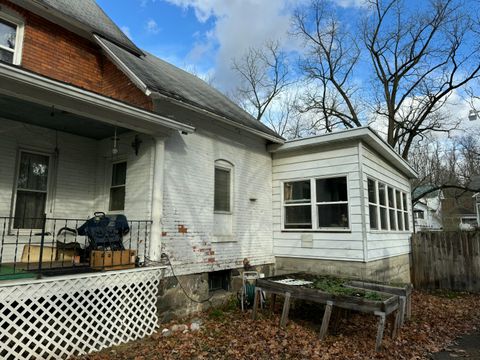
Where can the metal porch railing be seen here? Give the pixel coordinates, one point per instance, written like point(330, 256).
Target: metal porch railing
point(53, 249)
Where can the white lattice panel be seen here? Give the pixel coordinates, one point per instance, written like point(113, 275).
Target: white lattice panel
point(59, 317)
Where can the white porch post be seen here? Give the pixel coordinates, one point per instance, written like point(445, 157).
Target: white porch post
point(157, 199)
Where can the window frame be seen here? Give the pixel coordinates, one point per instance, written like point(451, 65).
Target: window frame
point(225, 166)
point(110, 186)
point(314, 204)
point(397, 209)
point(48, 191)
point(15, 19)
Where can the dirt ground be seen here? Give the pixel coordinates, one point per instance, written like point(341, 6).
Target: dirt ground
point(437, 320)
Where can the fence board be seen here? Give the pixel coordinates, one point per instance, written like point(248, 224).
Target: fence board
point(446, 260)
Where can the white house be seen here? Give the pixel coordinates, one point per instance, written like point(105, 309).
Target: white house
point(103, 126)
point(427, 212)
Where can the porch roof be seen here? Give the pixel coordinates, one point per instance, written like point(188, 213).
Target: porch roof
point(23, 93)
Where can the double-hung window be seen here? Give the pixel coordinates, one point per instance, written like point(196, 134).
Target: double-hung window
point(222, 197)
point(316, 204)
point(31, 190)
point(11, 36)
point(118, 186)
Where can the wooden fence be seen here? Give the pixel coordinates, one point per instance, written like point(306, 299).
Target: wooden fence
point(446, 260)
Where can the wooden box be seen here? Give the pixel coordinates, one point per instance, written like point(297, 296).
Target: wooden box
point(112, 260)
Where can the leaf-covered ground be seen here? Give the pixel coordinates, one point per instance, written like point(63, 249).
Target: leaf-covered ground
point(229, 334)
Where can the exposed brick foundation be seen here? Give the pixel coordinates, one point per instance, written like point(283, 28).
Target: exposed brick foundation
point(50, 50)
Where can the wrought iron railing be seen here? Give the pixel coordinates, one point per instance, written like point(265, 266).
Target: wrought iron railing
point(56, 248)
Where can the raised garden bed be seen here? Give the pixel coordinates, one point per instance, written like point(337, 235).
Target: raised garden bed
point(331, 292)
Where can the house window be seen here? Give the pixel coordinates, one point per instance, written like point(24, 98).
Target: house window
point(118, 186)
point(387, 206)
point(332, 202)
point(31, 190)
point(11, 37)
point(329, 208)
point(219, 280)
point(297, 202)
point(222, 197)
point(419, 214)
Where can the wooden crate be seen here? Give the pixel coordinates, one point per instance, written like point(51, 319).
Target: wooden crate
point(112, 260)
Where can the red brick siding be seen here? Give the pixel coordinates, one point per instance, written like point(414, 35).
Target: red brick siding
point(53, 51)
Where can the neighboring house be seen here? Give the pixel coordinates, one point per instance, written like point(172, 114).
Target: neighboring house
point(427, 212)
point(90, 122)
point(475, 184)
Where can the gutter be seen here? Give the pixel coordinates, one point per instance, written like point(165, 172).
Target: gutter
point(54, 86)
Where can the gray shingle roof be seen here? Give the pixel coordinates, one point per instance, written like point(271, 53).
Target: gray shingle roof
point(164, 78)
point(88, 13)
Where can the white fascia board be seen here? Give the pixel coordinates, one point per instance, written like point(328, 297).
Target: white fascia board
point(39, 83)
point(361, 133)
point(129, 73)
point(225, 120)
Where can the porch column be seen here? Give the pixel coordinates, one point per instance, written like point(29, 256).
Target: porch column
point(157, 199)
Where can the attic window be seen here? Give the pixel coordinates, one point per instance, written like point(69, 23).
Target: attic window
point(11, 38)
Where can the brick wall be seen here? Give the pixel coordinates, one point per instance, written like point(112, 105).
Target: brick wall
point(53, 51)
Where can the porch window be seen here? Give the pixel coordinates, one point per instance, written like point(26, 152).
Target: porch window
point(388, 208)
point(118, 186)
point(31, 193)
point(297, 201)
point(11, 30)
point(329, 208)
point(222, 197)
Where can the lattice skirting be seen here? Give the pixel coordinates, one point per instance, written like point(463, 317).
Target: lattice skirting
point(59, 317)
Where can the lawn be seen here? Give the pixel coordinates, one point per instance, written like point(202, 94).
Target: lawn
point(437, 319)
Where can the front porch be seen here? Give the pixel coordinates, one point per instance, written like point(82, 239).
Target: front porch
point(66, 153)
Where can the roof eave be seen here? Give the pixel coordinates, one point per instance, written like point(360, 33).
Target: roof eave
point(20, 76)
point(362, 133)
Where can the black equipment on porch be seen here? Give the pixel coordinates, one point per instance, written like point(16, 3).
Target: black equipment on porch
point(105, 232)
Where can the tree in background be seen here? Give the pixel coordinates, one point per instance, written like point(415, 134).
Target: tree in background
point(417, 56)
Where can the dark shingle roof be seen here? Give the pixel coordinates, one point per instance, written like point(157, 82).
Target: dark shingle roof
point(88, 13)
point(164, 78)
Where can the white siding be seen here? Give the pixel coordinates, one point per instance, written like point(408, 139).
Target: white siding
point(319, 162)
point(383, 244)
point(189, 198)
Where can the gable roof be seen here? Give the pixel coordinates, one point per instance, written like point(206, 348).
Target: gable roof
point(85, 15)
point(156, 76)
point(363, 133)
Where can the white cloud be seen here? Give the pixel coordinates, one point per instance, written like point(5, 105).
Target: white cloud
point(352, 3)
point(237, 26)
point(152, 27)
point(126, 31)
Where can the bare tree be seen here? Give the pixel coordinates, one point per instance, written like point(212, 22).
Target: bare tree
point(418, 57)
point(445, 165)
point(265, 74)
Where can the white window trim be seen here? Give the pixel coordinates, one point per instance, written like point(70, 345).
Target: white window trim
point(109, 186)
point(48, 198)
point(388, 208)
point(14, 18)
point(226, 166)
point(313, 204)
